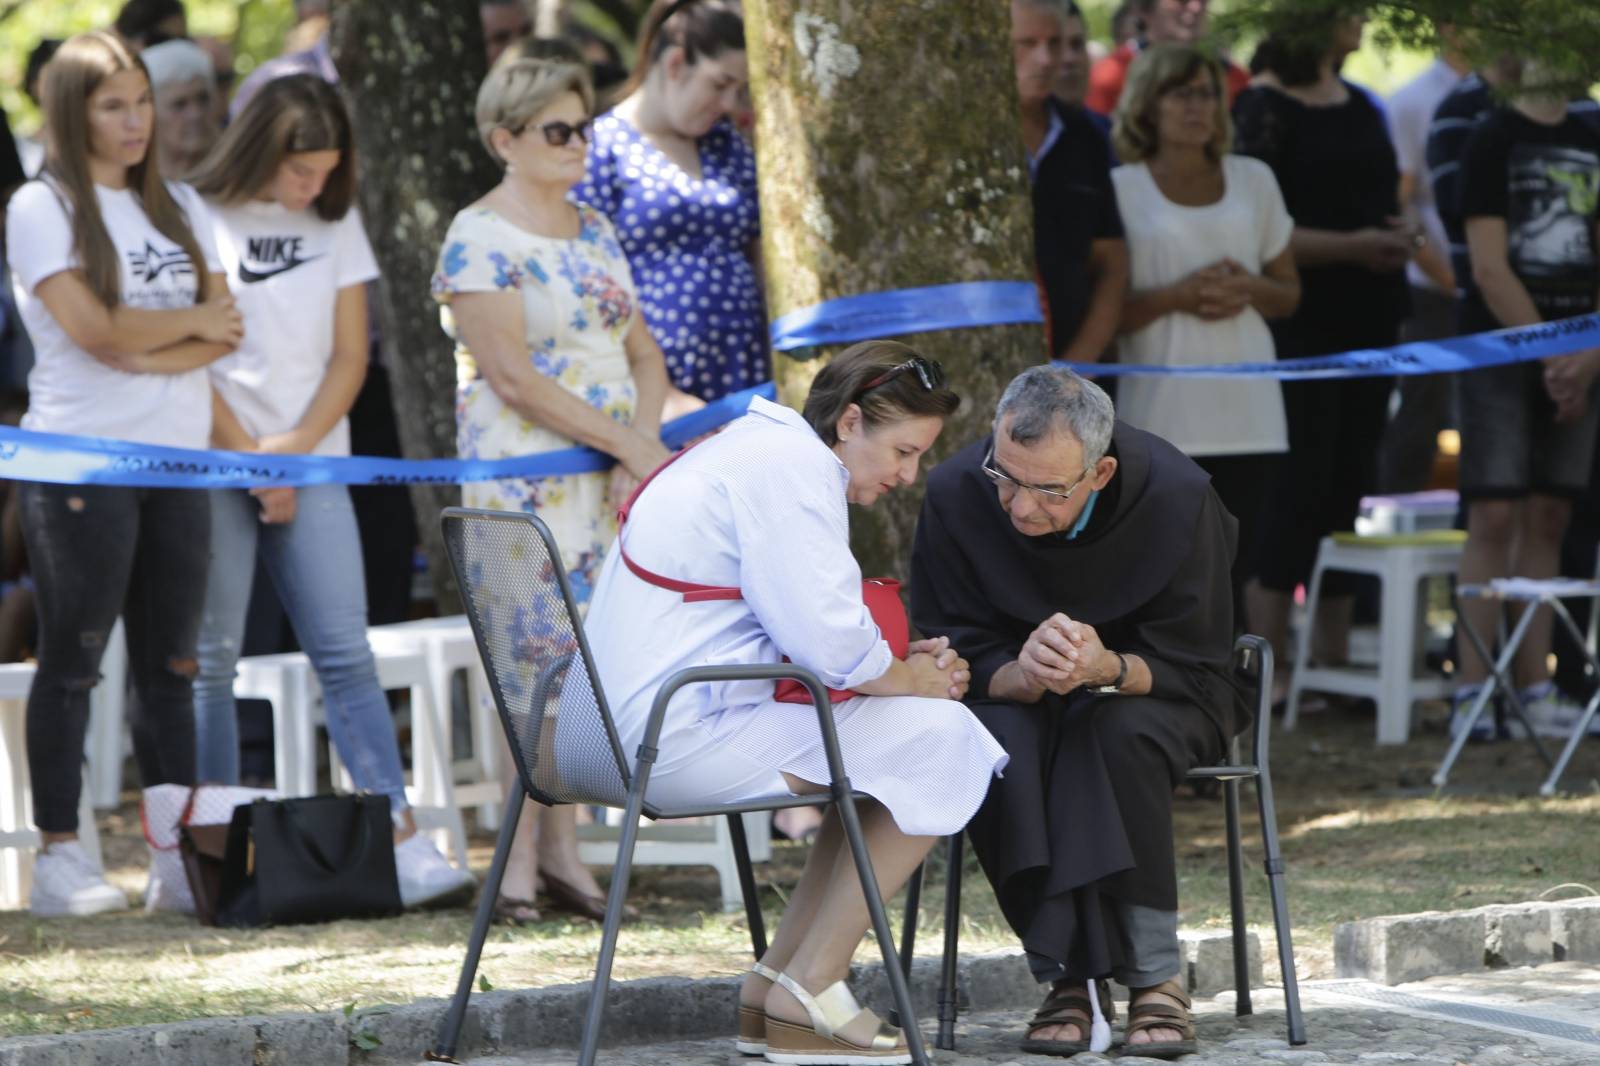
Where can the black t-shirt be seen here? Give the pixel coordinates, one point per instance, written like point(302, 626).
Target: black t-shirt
point(1073, 206)
point(1338, 171)
point(1545, 182)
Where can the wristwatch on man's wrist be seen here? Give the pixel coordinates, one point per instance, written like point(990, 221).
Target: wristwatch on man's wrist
point(1122, 675)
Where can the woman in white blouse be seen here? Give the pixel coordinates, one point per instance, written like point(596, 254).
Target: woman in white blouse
point(1209, 262)
point(761, 506)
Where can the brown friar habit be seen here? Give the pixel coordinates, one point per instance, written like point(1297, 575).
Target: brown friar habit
point(1082, 818)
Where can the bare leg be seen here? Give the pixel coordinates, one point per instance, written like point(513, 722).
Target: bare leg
point(828, 941)
point(1269, 617)
point(1331, 635)
point(801, 911)
point(1491, 529)
point(558, 850)
point(1538, 555)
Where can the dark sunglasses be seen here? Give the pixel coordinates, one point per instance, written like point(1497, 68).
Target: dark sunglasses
point(560, 134)
point(928, 372)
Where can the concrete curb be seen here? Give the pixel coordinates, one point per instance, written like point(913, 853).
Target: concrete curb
point(643, 1011)
point(1411, 947)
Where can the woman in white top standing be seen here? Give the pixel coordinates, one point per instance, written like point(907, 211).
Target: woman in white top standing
point(280, 186)
point(118, 283)
point(761, 507)
point(1209, 259)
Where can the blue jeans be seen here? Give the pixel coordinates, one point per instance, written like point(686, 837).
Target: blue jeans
point(315, 564)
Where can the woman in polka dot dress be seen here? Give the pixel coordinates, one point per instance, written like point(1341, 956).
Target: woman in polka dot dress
point(679, 184)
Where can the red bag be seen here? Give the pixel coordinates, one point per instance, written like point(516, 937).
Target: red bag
point(882, 597)
point(880, 594)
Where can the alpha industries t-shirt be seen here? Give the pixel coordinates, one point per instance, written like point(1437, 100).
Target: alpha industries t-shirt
point(69, 390)
point(285, 269)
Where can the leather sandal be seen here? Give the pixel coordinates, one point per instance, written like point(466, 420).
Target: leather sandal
point(516, 911)
point(566, 896)
point(1143, 1014)
point(753, 1020)
point(1067, 1003)
point(819, 1044)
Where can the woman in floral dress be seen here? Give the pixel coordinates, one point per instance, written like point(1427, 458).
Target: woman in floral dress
point(550, 352)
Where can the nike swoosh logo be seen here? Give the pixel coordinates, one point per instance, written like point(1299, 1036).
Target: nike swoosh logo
point(250, 277)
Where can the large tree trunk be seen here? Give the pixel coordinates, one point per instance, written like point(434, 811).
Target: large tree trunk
point(411, 69)
point(890, 157)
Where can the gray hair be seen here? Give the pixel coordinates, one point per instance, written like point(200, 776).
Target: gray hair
point(177, 60)
point(1048, 399)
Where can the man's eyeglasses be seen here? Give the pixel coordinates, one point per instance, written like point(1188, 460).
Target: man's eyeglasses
point(1008, 485)
point(560, 134)
point(928, 371)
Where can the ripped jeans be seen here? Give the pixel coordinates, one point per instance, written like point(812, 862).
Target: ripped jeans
point(97, 551)
point(315, 564)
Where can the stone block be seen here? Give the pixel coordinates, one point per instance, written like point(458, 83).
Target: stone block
point(404, 1034)
point(295, 1039)
point(1518, 935)
point(1575, 929)
point(1410, 947)
point(1208, 958)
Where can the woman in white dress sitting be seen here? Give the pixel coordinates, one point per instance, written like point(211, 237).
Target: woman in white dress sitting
point(761, 506)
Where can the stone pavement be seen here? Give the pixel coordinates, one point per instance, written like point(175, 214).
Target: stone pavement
point(1542, 1016)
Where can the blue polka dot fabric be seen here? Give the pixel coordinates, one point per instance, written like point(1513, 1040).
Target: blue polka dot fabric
point(688, 242)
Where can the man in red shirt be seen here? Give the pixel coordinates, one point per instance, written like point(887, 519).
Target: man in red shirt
point(1163, 21)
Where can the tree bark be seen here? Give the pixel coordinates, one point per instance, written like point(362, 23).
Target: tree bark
point(411, 70)
point(890, 157)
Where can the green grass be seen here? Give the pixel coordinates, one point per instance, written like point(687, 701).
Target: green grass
point(1362, 834)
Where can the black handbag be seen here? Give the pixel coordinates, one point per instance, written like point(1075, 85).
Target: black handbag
point(310, 859)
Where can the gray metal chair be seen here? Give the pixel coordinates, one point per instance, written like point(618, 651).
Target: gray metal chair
point(566, 748)
point(1253, 665)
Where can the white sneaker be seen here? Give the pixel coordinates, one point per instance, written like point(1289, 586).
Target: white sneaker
point(425, 875)
point(1553, 715)
point(65, 882)
point(1460, 703)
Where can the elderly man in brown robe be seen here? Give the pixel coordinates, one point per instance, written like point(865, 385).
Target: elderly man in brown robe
point(1082, 567)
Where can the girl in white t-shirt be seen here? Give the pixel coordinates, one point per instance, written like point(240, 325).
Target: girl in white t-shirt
point(280, 187)
point(118, 284)
point(1209, 263)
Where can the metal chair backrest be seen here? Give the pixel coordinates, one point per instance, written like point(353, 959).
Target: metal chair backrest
point(1252, 667)
point(520, 605)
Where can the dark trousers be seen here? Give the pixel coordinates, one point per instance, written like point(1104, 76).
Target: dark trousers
point(1334, 430)
point(1242, 483)
point(98, 551)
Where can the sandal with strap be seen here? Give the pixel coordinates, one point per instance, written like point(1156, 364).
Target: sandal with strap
point(753, 1020)
point(1143, 1014)
point(820, 1045)
point(1067, 1003)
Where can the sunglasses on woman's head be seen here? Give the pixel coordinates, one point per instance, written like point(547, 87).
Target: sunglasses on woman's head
point(929, 373)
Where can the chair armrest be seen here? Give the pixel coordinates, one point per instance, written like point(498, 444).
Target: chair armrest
point(1262, 726)
point(695, 675)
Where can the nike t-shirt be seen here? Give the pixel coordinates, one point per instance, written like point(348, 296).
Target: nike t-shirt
point(285, 269)
point(69, 390)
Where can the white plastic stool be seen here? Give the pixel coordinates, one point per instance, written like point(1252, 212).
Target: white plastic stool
point(107, 742)
point(1400, 563)
point(447, 646)
point(17, 831)
point(285, 682)
point(683, 842)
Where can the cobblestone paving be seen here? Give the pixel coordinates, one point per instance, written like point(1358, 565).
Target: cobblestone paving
point(1515, 1013)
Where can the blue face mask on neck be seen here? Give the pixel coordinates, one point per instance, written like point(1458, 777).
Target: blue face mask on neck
point(1083, 519)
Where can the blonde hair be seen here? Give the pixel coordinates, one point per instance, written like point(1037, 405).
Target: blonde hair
point(70, 78)
point(518, 88)
point(1156, 71)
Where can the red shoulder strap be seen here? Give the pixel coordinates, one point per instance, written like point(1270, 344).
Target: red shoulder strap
point(691, 592)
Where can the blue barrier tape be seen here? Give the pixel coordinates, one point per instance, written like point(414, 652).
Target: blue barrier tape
point(26, 455)
point(890, 314)
point(1565, 336)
